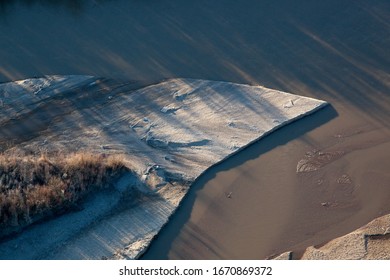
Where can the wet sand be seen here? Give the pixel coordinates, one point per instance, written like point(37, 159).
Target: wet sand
point(273, 209)
point(335, 51)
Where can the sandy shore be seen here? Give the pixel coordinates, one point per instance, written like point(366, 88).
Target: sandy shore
point(335, 51)
point(167, 134)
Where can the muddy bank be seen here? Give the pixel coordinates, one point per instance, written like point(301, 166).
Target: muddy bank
point(168, 134)
point(274, 206)
point(334, 50)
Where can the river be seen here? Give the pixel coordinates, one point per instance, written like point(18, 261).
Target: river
point(337, 51)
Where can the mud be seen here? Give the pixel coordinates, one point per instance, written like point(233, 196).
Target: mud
point(332, 50)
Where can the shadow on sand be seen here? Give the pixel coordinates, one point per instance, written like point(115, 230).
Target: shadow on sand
point(161, 245)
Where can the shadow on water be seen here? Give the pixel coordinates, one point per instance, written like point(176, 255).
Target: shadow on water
point(75, 7)
point(162, 244)
point(327, 49)
point(334, 50)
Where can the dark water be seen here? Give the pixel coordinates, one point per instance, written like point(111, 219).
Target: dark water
point(332, 50)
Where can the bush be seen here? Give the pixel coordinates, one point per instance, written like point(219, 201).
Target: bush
point(35, 188)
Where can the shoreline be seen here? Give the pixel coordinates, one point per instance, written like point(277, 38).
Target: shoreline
point(160, 140)
point(303, 199)
point(335, 51)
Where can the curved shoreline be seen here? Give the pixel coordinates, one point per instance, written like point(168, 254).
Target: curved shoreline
point(169, 133)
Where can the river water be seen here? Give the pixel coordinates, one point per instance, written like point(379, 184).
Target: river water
point(337, 51)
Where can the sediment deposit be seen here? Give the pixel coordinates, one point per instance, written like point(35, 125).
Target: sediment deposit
point(168, 133)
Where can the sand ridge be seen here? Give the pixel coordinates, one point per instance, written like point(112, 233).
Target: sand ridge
point(169, 133)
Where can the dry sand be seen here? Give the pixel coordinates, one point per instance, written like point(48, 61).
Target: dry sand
point(333, 50)
point(168, 134)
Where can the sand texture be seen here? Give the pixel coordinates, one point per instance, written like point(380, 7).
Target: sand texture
point(370, 242)
point(169, 134)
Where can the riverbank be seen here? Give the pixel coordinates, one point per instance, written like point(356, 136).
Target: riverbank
point(167, 134)
point(334, 50)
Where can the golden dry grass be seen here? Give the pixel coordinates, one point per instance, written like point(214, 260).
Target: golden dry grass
point(34, 188)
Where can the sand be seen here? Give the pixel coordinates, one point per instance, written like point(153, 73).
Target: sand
point(333, 50)
point(370, 242)
point(168, 134)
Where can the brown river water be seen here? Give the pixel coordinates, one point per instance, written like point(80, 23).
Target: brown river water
point(338, 51)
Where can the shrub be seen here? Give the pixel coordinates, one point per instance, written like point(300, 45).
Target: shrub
point(35, 188)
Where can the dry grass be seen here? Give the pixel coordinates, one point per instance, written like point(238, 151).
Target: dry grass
point(34, 188)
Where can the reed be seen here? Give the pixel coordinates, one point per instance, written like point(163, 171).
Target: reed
point(35, 188)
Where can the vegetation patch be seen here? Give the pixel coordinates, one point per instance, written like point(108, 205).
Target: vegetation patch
point(32, 189)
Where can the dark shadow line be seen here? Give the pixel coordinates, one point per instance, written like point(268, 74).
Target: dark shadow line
point(162, 243)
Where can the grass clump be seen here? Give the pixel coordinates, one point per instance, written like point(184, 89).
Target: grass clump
point(32, 189)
